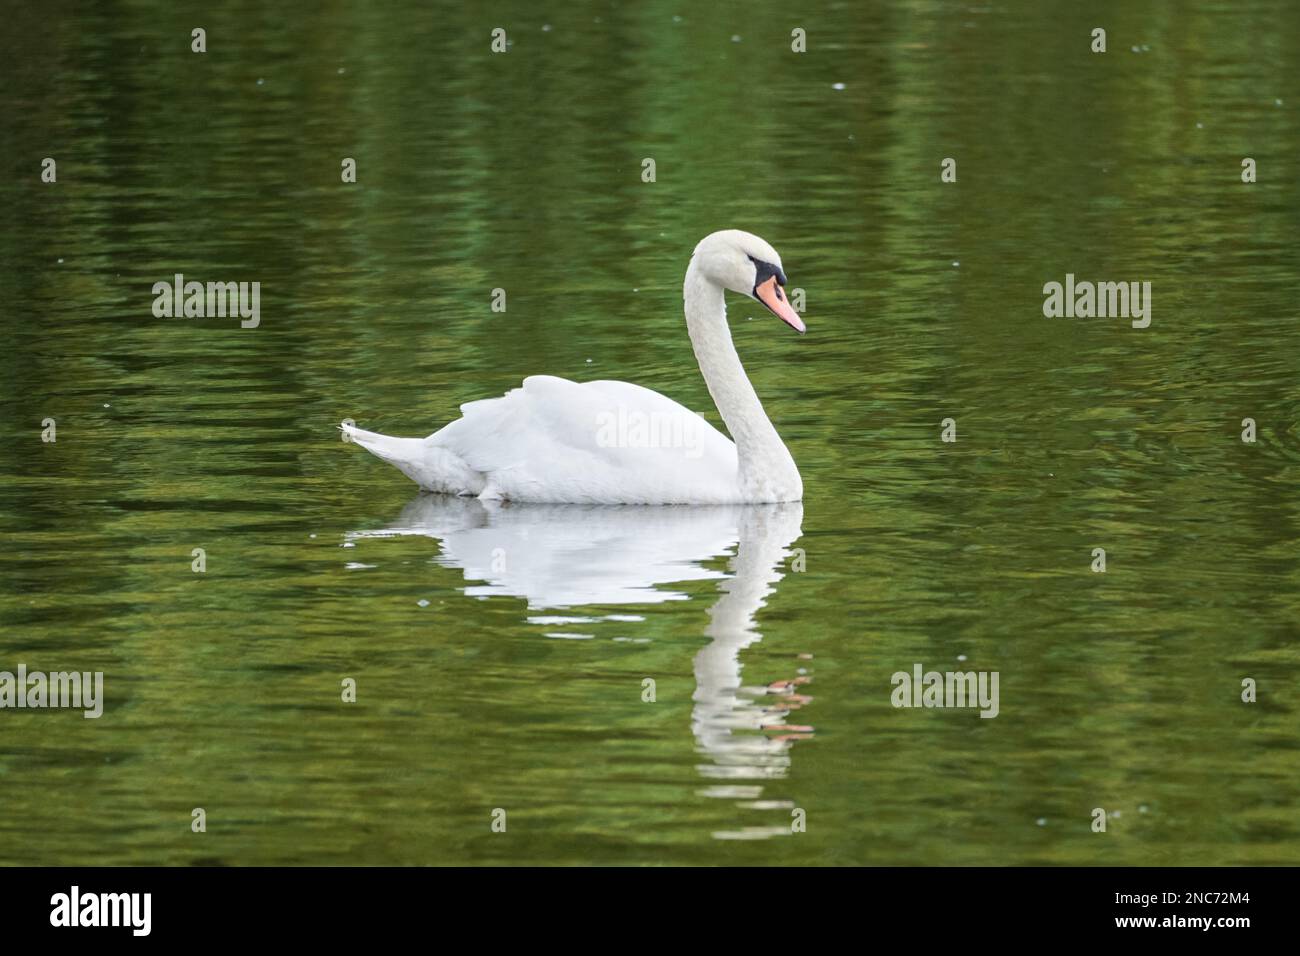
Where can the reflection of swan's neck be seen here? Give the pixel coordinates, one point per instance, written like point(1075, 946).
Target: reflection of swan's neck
point(765, 463)
point(721, 708)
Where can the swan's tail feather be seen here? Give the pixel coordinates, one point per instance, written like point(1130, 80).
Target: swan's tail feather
point(432, 467)
point(395, 451)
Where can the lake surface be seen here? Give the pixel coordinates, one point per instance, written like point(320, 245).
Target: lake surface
point(770, 633)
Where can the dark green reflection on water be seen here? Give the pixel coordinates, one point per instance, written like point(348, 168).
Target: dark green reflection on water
point(523, 172)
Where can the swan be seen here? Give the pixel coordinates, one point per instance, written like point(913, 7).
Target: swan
point(554, 441)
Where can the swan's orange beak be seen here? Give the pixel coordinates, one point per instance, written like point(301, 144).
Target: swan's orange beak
point(772, 295)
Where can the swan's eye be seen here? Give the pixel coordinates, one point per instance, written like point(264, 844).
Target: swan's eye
point(764, 271)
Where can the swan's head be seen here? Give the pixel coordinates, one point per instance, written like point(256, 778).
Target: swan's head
point(744, 263)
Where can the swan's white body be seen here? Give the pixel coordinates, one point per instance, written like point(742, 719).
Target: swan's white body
point(558, 441)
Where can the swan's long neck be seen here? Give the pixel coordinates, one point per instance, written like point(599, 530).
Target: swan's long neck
point(767, 472)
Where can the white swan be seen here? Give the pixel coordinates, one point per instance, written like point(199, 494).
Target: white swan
point(556, 441)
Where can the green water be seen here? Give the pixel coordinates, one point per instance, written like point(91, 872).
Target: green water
point(520, 688)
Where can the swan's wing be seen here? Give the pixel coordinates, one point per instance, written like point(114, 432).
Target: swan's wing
point(556, 440)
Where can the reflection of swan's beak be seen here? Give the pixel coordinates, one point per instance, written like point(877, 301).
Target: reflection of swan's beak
point(772, 295)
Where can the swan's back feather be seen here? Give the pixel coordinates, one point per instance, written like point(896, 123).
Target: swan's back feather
point(553, 440)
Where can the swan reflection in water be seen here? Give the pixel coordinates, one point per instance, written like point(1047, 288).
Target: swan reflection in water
point(563, 557)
